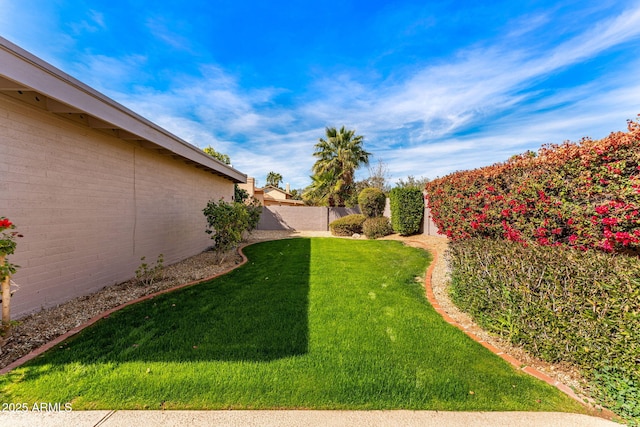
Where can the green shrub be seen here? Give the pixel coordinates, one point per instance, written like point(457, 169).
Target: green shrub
point(147, 274)
point(619, 390)
point(372, 201)
point(581, 307)
point(254, 209)
point(377, 227)
point(347, 225)
point(228, 221)
point(407, 210)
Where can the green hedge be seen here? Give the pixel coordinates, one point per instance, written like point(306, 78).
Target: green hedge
point(560, 304)
point(347, 225)
point(407, 210)
point(581, 307)
point(377, 227)
point(371, 201)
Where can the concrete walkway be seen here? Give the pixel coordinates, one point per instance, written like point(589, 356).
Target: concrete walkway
point(299, 418)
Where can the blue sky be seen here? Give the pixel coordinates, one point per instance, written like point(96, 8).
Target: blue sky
point(434, 87)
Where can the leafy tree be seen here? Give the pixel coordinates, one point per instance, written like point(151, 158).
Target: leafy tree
point(274, 179)
point(339, 155)
point(224, 158)
point(413, 182)
point(296, 194)
point(323, 190)
point(378, 178)
point(239, 194)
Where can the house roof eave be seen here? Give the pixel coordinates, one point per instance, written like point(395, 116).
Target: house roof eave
point(23, 73)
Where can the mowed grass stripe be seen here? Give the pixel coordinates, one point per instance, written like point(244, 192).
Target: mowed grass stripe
point(306, 323)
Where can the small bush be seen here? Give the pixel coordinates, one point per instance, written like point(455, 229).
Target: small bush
point(371, 202)
point(228, 221)
point(619, 390)
point(254, 209)
point(407, 210)
point(377, 227)
point(347, 225)
point(147, 274)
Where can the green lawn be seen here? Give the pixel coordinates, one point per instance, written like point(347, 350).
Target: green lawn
point(306, 323)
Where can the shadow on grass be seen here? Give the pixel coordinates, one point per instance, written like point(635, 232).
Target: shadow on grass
point(258, 312)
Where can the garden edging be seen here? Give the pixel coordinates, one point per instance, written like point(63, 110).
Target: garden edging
point(40, 350)
point(437, 257)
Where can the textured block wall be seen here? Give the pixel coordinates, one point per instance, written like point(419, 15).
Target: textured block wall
point(91, 205)
point(314, 218)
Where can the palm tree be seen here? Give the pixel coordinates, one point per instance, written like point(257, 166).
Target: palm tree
point(323, 191)
point(274, 179)
point(338, 157)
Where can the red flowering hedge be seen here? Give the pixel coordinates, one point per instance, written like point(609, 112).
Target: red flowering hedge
point(580, 307)
point(584, 195)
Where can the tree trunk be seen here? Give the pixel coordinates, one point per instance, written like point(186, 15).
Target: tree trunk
point(6, 298)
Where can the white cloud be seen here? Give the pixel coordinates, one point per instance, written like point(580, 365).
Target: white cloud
point(160, 29)
point(421, 115)
point(93, 23)
point(106, 73)
point(475, 108)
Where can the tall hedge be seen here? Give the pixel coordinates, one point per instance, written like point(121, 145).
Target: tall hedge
point(513, 226)
point(581, 307)
point(585, 195)
point(407, 210)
